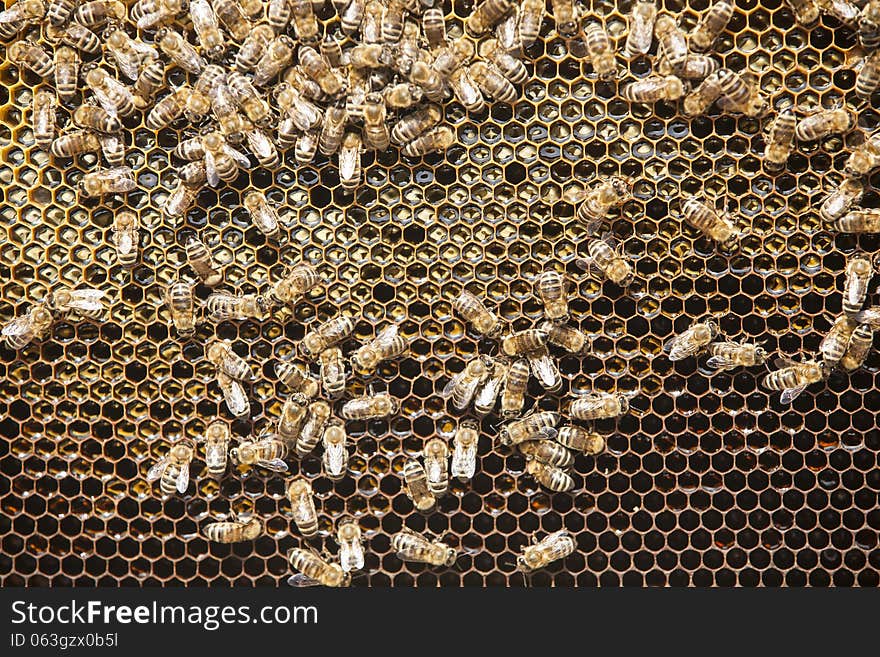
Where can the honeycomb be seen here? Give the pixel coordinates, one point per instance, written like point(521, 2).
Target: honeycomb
point(712, 483)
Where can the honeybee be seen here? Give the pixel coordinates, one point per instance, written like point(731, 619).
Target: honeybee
point(181, 199)
point(740, 93)
point(523, 342)
point(568, 337)
point(548, 452)
point(152, 13)
point(513, 396)
point(296, 378)
point(278, 14)
point(730, 355)
point(474, 312)
point(316, 67)
point(487, 394)
point(535, 426)
point(868, 78)
point(66, 72)
point(234, 394)
point(567, 18)
point(76, 36)
point(822, 122)
point(370, 407)
point(436, 139)
point(544, 369)
point(350, 161)
point(43, 118)
point(260, 145)
point(351, 16)
point(125, 237)
point(859, 271)
point(387, 344)
point(113, 149)
point(335, 457)
point(207, 29)
point(641, 28)
point(296, 282)
point(693, 341)
point(434, 27)
point(859, 345)
point(429, 80)
point(846, 12)
point(32, 56)
point(834, 344)
point(793, 377)
point(20, 15)
point(97, 12)
point(599, 406)
point(865, 157)
point(172, 470)
point(217, 439)
point(277, 56)
point(600, 50)
point(654, 88)
point(464, 450)
point(266, 452)
point(869, 25)
point(606, 258)
point(351, 548)
point(221, 306)
point(672, 40)
point(111, 94)
point(293, 416)
point(222, 161)
point(413, 125)
point(779, 142)
point(315, 571)
point(466, 90)
point(414, 547)
point(492, 82)
point(169, 109)
point(462, 387)
point(325, 335)
point(331, 50)
point(302, 505)
point(701, 98)
point(220, 354)
point(552, 547)
point(841, 199)
point(33, 325)
point(85, 303)
point(305, 25)
point(258, 39)
point(332, 130)
point(582, 440)
point(313, 428)
point(199, 258)
point(595, 203)
point(118, 180)
point(249, 99)
point(512, 68)
point(129, 54)
point(715, 225)
point(304, 114)
point(376, 133)
point(393, 20)
point(232, 15)
point(264, 215)
point(530, 17)
point(371, 22)
point(858, 221)
point(556, 479)
point(711, 25)
point(436, 455)
point(58, 11)
point(74, 143)
point(696, 67)
point(92, 117)
point(806, 12)
point(417, 486)
point(179, 51)
point(508, 34)
point(149, 82)
point(234, 531)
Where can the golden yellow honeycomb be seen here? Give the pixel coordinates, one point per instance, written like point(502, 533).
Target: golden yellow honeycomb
point(713, 483)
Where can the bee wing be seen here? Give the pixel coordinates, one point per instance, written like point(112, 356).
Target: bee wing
point(469, 392)
point(720, 362)
point(145, 50)
point(9, 16)
point(854, 291)
point(89, 300)
point(235, 396)
point(790, 394)
point(784, 361)
point(240, 158)
point(386, 336)
point(147, 21)
point(449, 387)
point(156, 471)
point(211, 170)
point(183, 478)
point(18, 326)
point(550, 433)
point(588, 265)
point(574, 195)
point(544, 370)
point(300, 581)
point(124, 242)
point(275, 465)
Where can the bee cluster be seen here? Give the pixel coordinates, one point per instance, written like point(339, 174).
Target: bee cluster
point(255, 81)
